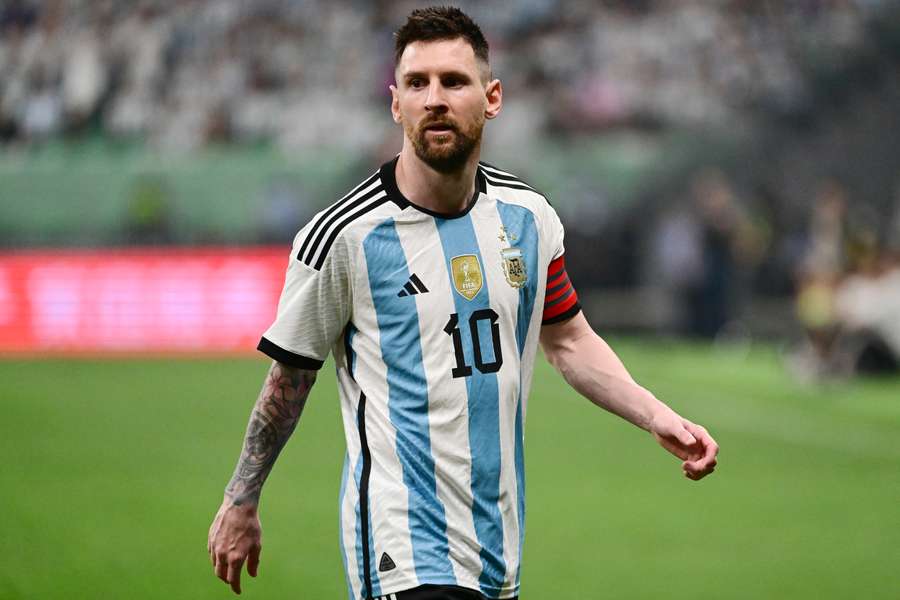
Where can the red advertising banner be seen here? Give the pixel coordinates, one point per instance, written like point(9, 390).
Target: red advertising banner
point(147, 300)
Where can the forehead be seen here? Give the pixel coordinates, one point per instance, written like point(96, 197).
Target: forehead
point(437, 56)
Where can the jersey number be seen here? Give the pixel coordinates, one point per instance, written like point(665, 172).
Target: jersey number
point(452, 329)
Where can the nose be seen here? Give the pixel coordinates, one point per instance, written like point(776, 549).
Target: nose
point(435, 101)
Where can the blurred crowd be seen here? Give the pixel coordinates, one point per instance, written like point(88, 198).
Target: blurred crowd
point(709, 254)
point(304, 73)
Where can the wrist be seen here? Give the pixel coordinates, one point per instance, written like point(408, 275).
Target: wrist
point(658, 412)
point(246, 504)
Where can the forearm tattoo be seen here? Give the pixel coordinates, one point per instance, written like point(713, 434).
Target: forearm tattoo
point(272, 421)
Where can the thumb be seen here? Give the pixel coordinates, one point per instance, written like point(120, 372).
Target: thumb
point(685, 437)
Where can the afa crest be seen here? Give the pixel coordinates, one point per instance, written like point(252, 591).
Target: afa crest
point(514, 267)
point(467, 278)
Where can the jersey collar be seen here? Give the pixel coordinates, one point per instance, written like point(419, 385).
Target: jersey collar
point(389, 180)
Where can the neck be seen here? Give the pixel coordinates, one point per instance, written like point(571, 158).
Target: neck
point(447, 193)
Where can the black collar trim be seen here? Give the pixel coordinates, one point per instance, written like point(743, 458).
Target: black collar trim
point(389, 180)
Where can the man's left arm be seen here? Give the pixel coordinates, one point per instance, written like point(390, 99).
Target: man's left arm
point(590, 366)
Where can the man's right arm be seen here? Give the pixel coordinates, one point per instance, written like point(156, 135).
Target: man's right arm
point(235, 534)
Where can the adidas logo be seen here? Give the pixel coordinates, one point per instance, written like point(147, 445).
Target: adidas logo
point(386, 563)
point(412, 287)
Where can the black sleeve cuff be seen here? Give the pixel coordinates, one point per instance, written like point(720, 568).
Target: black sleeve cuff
point(289, 358)
point(565, 316)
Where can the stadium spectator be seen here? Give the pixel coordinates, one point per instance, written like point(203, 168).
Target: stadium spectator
point(162, 69)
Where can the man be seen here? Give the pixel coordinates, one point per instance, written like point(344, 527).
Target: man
point(431, 282)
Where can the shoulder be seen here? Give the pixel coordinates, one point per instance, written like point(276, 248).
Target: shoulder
point(507, 184)
point(507, 188)
point(357, 211)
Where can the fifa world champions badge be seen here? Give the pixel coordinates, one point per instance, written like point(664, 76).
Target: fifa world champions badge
point(467, 278)
point(513, 262)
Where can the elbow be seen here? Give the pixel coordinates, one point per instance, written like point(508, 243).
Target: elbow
point(558, 354)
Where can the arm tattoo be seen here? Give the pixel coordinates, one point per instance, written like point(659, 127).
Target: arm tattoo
point(272, 421)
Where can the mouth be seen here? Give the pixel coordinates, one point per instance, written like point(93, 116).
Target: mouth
point(440, 128)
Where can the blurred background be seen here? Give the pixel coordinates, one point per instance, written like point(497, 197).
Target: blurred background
point(728, 172)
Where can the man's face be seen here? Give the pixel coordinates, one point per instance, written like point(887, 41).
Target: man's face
point(442, 99)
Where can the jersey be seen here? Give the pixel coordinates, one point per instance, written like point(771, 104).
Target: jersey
point(433, 321)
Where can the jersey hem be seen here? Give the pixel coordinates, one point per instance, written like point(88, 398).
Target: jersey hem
point(287, 357)
point(408, 584)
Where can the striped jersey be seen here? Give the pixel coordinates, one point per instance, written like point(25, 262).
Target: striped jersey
point(434, 322)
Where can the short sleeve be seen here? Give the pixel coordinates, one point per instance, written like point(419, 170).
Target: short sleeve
point(313, 309)
point(556, 234)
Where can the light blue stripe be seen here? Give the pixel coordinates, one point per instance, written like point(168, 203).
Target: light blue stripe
point(401, 349)
point(357, 475)
point(345, 474)
point(520, 222)
point(458, 238)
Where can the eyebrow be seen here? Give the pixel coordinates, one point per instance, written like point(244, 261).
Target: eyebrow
point(423, 75)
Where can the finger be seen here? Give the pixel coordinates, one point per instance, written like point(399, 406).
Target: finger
point(709, 457)
point(700, 433)
point(234, 574)
point(685, 437)
point(222, 566)
point(709, 445)
point(692, 472)
point(705, 462)
point(253, 561)
point(674, 448)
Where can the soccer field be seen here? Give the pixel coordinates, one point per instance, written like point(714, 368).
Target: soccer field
point(114, 469)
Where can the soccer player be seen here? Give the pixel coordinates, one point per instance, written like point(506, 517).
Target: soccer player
point(432, 283)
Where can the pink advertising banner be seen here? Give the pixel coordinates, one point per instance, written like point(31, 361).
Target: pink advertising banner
point(138, 300)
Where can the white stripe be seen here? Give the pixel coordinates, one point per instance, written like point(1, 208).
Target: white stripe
point(505, 183)
point(390, 523)
point(349, 393)
point(348, 524)
point(488, 171)
point(314, 247)
point(505, 300)
point(496, 170)
point(448, 404)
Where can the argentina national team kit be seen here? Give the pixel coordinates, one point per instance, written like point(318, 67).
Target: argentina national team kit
point(434, 322)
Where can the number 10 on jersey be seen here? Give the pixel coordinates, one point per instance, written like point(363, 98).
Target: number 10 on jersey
point(452, 329)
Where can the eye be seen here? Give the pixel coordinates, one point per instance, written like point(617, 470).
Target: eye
point(451, 82)
point(416, 83)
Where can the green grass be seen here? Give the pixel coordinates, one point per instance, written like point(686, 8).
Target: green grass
point(113, 470)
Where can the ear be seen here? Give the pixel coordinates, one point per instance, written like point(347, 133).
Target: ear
point(395, 103)
point(494, 94)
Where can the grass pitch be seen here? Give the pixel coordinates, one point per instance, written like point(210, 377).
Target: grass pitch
point(113, 470)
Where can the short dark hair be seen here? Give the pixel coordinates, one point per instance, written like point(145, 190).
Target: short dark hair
point(439, 23)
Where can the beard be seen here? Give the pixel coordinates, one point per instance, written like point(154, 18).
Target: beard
point(445, 153)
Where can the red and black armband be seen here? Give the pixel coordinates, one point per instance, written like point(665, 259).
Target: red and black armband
point(560, 301)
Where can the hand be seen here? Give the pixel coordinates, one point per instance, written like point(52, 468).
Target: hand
point(688, 441)
point(235, 536)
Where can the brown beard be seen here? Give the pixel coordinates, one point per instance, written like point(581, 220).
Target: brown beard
point(445, 156)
